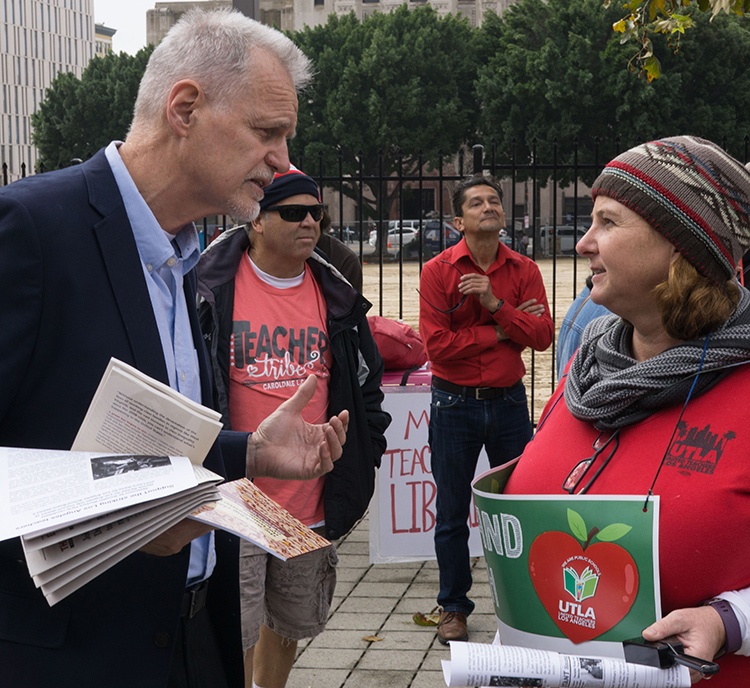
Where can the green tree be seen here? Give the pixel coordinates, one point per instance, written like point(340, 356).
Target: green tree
point(79, 116)
point(403, 78)
point(554, 69)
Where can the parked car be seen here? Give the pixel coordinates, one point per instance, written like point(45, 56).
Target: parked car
point(398, 238)
point(430, 242)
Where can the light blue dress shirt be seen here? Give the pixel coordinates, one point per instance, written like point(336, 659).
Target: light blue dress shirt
point(166, 259)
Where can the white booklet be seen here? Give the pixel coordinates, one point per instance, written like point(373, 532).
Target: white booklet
point(477, 664)
point(133, 413)
point(134, 472)
point(79, 513)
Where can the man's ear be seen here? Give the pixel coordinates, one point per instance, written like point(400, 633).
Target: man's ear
point(257, 224)
point(459, 222)
point(185, 99)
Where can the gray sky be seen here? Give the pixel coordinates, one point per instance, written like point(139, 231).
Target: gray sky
point(129, 18)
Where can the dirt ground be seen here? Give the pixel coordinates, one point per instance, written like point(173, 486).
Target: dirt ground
point(563, 278)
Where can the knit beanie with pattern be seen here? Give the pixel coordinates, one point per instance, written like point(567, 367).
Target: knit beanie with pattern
point(690, 191)
point(290, 183)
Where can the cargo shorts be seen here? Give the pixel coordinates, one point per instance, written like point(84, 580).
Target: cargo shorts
point(291, 597)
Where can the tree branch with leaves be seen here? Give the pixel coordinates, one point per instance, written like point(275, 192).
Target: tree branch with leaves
point(647, 18)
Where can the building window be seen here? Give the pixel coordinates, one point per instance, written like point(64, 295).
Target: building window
point(320, 3)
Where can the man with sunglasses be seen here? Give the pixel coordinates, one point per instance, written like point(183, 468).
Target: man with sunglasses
point(274, 311)
point(481, 305)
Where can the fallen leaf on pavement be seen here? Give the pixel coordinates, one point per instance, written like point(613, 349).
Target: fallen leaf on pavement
point(431, 619)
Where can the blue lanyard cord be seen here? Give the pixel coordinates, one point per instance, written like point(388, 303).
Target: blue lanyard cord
point(671, 439)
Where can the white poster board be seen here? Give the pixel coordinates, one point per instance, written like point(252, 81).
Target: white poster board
point(402, 510)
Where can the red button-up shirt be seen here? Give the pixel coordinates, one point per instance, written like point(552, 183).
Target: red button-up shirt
point(462, 345)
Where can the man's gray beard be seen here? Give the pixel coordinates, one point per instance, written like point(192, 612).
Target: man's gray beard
point(243, 213)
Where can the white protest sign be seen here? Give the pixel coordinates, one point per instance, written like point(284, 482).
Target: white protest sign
point(402, 510)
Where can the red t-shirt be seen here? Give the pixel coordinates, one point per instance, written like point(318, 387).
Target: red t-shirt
point(704, 487)
point(279, 339)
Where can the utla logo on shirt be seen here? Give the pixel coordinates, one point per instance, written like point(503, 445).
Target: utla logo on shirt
point(697, 450)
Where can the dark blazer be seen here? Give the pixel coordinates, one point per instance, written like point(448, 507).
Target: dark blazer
point(72, 295)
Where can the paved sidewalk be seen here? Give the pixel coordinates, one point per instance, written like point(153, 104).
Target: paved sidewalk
point(380, 600)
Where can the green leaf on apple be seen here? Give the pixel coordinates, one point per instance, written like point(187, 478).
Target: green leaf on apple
point(577, 525)
point(613, 532)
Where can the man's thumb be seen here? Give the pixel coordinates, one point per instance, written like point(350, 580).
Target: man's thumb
point(302, 396)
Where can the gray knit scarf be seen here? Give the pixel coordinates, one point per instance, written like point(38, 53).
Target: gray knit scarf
point(609, 388)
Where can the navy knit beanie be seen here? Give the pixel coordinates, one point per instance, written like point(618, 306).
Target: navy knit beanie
point(288, 184)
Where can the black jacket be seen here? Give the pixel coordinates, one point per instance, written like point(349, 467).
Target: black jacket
point(356, 372)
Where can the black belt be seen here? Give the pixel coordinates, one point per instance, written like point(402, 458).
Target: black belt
point(194, 599)
point(478, 393)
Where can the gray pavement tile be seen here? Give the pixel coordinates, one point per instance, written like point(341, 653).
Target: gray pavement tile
point(392, 589)
point(344, 587)
point(367, 604)
point(396, 573)
point(478, 636)
point(405, 622)
point(349, 574)
point(316, 678)
point(355, 561)
point(484, 605)
point(424, 679)
point(357, 621)
point(354, 547)
point(391, 660)
point(346, 639)
point(485, 622)
point(433, 659)
point(361, 532)
point(402, 640)
point(419, 589)
point(314, 658)
point(379, 679)
point(412, 605)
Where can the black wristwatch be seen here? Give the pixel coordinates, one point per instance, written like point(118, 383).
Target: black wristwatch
point(499, 306)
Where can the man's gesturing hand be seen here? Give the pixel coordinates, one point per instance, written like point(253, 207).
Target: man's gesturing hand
point(287, 447)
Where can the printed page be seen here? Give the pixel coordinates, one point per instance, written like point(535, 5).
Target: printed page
point(475, 664)
point(103, 532)
point(132, 412)
point(59, 588)
point(45, 538)
point(43, 490)
point(250, 514)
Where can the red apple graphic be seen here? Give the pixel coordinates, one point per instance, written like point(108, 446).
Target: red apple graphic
point(586, 589)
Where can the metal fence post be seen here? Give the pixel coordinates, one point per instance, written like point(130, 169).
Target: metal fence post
point(478, 151)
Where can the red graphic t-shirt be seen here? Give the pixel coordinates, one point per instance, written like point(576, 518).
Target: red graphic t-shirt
point(278, 339)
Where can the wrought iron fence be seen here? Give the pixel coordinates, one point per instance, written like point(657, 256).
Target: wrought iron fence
point(348, 195)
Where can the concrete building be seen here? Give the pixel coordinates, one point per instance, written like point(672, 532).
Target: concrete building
point(38, 40)
point(293, 15)
point(103, 43)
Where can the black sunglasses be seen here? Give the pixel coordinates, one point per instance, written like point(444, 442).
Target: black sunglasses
point(296, 212)
point(452, 308)
point(579, 471)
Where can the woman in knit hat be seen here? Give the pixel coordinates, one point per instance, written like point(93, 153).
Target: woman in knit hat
point(664, 384)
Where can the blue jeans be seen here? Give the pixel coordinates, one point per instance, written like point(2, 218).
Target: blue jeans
point(459, 428)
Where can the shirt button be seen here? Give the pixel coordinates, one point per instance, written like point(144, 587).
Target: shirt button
point(161, 639)
point(149, 267)
point(183, 377)
point(171, 262)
